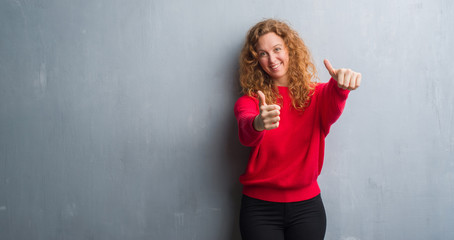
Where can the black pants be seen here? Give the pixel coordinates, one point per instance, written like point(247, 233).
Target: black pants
point(262, 220)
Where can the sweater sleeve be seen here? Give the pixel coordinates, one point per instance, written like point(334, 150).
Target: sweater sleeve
point(332, 102)
point(246, 109)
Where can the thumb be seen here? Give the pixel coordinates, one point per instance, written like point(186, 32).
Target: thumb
point(261, 98)
point(330, 68)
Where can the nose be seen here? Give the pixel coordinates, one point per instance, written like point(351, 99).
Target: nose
point(272, 57)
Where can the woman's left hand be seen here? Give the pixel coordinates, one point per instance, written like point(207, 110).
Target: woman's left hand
point(346, 78)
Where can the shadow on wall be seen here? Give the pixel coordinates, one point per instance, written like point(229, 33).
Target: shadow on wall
point(235, 153)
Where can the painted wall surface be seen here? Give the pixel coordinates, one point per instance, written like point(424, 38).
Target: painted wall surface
point(116, 117)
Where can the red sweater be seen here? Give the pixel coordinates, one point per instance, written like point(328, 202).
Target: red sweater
point(285, 162)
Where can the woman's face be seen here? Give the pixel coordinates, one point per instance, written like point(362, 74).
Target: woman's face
point(273, 57)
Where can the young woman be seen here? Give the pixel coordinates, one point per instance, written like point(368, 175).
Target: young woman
point(284, 116)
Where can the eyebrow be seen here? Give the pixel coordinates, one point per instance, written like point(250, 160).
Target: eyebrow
point(258, 50)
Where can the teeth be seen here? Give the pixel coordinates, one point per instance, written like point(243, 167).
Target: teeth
point(275, 66)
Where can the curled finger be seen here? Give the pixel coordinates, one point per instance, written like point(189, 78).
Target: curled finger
point(347, 79)
point(358, 80)
point(340, 78)
point(352, 85)
point(272, 126)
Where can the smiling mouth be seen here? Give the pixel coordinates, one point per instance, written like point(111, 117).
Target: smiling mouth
point(275, 66)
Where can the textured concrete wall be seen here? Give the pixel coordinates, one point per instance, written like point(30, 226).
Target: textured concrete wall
point(116, 117)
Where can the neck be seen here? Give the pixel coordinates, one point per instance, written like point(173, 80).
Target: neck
point(281, 82)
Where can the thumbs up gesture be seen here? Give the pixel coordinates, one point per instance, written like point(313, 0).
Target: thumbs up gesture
point(346, 78)
point(269, 115)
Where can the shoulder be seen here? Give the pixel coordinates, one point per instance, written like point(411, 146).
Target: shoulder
point(316, 88)
point(246, 102)
point(245, 99)
point(319, 85)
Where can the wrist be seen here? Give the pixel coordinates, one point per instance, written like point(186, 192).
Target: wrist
point(257, 125)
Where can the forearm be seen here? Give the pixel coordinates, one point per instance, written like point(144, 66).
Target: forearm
point(248, 135)
point(332, 101)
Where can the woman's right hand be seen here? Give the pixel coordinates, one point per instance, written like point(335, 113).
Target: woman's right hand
point(269, 115)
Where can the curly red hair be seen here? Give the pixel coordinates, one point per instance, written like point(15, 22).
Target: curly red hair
point(301, 70)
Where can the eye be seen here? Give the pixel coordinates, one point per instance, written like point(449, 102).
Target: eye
point(262, 54)
point(278, 49)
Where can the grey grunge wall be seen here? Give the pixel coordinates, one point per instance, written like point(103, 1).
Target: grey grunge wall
point(116, 117)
